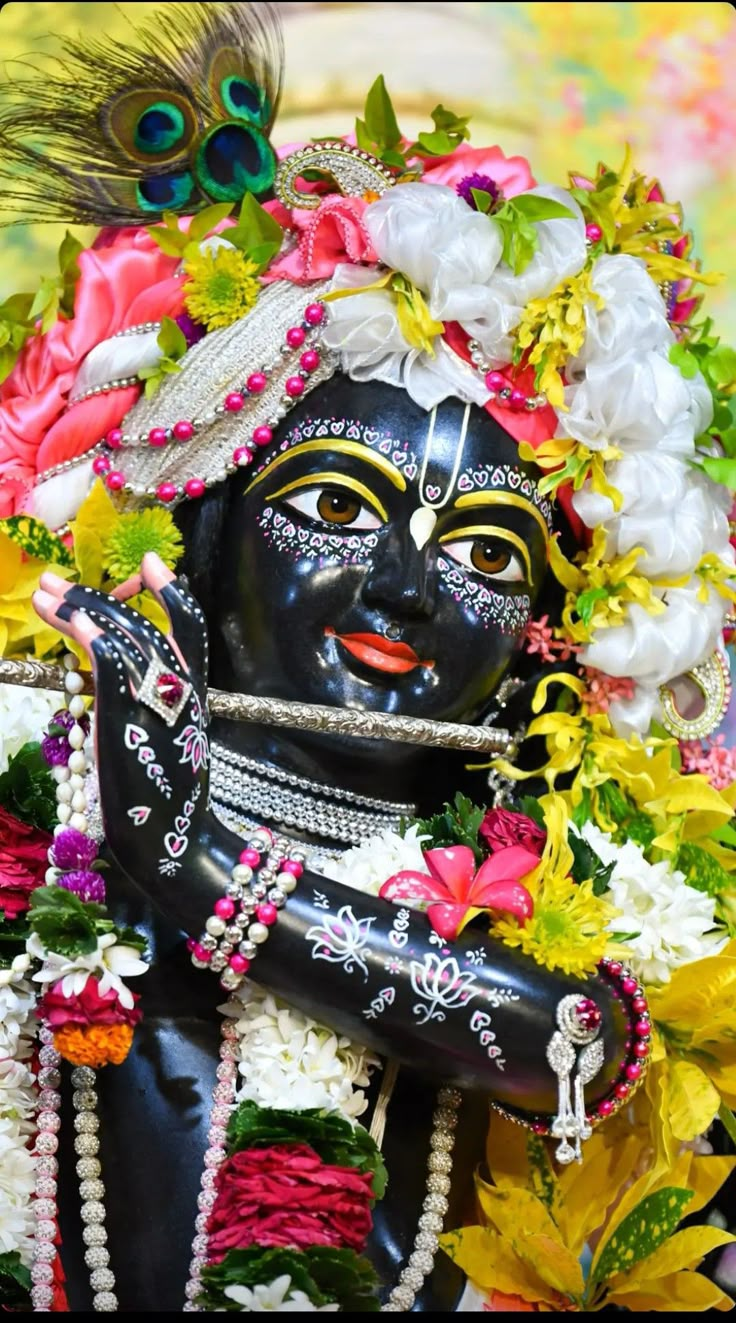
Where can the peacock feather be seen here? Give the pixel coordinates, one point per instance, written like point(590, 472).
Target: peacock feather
point(178, 119)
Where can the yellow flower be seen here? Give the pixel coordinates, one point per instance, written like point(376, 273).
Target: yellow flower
point(133, 535)
point(416, 323)
point(567, 929)
point(599, 591)
point(572, 462)
point(554, 330)
point(221, 286)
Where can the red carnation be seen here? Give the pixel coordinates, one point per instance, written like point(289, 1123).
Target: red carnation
point(87, 1007)
point(501, 828)
point(23, 863)
point(287, 1196)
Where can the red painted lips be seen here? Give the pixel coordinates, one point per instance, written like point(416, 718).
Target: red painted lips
point(380, 653)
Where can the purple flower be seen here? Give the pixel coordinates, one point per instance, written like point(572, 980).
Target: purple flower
point(72, 850)
point(484, 184)
point(56, 749)
point(88, 886)
point(191, 330)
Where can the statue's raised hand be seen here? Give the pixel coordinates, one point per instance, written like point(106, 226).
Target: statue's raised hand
point(150, 715)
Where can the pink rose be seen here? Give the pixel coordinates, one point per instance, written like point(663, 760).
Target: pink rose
point(511, 174)
point(331, 234)
point(287, 1196)
point(23, 863)
point(501, 829)
point(88, 1007)
point(121, 284)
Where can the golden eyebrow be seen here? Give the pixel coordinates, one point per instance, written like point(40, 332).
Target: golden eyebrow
point(353, 448)
point(491, 530)
point(504, 498)
point(334, 480)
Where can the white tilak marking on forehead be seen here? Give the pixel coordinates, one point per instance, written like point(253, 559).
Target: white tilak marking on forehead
point(430, 496)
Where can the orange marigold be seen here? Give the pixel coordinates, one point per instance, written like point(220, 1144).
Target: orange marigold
point(94, 1044)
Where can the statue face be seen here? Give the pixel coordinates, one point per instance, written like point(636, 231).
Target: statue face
point(378, 557)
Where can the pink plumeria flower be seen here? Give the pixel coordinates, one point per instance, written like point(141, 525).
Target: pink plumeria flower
point(455, 892)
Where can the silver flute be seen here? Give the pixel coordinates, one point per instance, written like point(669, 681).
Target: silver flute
point(302, 716)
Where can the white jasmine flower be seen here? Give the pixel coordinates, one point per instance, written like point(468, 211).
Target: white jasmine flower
point(111, 961)
point(674, 923)
point(24, 716)
point(276, 1297)
point(289, 1060)
point(367, 866)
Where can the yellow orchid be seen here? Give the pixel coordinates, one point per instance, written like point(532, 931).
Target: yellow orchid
point(538, 1227)
point(599, 590)
point(621, 203)
point(553, 329)
point(418, 327)
point(715, 574)
point(572, 462)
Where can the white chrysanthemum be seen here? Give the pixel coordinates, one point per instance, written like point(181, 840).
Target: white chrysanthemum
point(289, 1060)
point(276, 1297)
point(366, 867)
point(674, 923)
point(24, 716)
point(111, 961)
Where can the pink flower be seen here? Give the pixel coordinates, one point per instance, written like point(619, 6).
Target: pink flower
point(127, 282)
point(501, 828)
point(603, 689)
point(540, 638)
point(331, 234)
point(454, 888)
point(512, 174)
point(715, 761)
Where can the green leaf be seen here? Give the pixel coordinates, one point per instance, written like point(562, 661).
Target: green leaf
point(379, 117)
point(722, 366)
point(363, 137)
point(445, 119)
point(69, 271)
point(536, 209)
point(587, 865)
point(482, 200)
point(702, 871)
point(642, 1231)
point(532, 808)
point(36, 540)
point(28, 790)
point(720, 470)
point(205, 221)
point(324, 1274)
point(728, 1121)
point(586, 603)
point(437, 143)
point(63, 922)
point(46, 302)
point(329, 1134)
point(683, 358)
point(171, 244)
point(520, 239)
point(171, 340)
point(15, 1284)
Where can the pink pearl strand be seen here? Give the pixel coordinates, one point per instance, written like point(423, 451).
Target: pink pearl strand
point(223, 1097)
point(235, 400)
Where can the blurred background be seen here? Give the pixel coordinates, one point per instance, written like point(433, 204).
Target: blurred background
point(566, 84)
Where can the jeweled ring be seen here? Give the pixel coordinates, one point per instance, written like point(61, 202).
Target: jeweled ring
point(163, 691)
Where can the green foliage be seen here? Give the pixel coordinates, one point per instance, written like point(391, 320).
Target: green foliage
point(15, 1284)
point(702, 870)
point(587, 865)
point(174, 242)
point(63, 922)
point(28, 790)
point(330, 1135)
point(256, 234)
point(630, 823)
point(55, 294)
point(458, 824)
point(33, 536)
point(587, 602)
point(325, 1275)
point(15, 328)
point(517, 219)
point(532, 808)
point(701, 351)
point(13, 935)
point(642, 1231)
point(378, 131)
point(173, 345)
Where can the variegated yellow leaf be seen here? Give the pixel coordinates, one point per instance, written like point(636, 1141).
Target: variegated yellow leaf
point(491, 1264)
point(692, 1100)
point(510, 1209)
point(588, 1191)
point(644, 1218)
point(553, 1262)
point(686, 1249)
point(680, 1293)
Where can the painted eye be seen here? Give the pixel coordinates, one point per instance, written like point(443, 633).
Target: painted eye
point(487, 556)
point(334, 505)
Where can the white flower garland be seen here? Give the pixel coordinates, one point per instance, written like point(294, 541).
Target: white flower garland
point(18, 1101)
